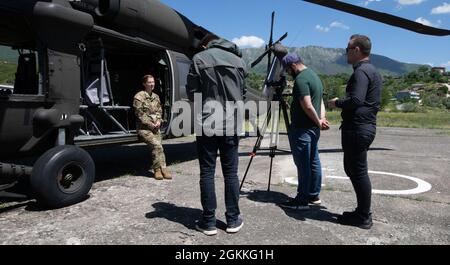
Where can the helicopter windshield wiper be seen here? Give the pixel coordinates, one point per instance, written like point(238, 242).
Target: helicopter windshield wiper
point(382, 17)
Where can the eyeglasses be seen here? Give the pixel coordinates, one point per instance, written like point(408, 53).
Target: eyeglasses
point(349, 48)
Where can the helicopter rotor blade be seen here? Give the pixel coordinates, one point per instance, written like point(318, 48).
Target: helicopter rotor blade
point(268, 50)
point(255, 62)
point(282, 37)
point(269, 59)
point(271, 29)
point(382, 17)
point(269, 56)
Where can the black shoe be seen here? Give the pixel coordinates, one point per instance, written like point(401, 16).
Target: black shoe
point(207, 230)
point(294, 204)
point(350, 214)
point(315, 200)
point(236, 226)
point(355, 219)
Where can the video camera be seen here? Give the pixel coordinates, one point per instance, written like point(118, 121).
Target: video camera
point(276, 78)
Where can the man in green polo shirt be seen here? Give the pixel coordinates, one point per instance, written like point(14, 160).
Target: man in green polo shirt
point(307, 119)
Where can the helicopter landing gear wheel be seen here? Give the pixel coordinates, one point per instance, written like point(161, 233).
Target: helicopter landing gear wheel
point(62, 176)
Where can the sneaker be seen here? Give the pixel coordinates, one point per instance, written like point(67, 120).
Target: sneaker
point(209, 231)
point(294, 204)
point(354, 219)
point(315, 200)
point(236, 226)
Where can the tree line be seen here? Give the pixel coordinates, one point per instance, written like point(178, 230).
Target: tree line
point(429, 84)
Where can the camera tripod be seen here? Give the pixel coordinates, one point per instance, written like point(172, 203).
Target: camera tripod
point(274, 79)
point(274, 133)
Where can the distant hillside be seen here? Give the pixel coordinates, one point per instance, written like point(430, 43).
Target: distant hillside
point(331, 61)
point(323, 60)
point(8, 55)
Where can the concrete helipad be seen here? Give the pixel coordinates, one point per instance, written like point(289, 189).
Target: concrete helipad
point(411, 201)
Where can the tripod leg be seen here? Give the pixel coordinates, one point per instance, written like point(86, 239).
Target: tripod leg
point(270, 173)
point(257, 143)
point(285, 114)
point(246, 171)
point(274, 137)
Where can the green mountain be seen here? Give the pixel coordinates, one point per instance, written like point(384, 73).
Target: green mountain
point(330, 61)
point(8, 55)
point(327, 61)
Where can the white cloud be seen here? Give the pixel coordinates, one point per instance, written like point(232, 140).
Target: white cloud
point(337, 24)
point(447, 64)
point(410, 2)
point(322, 29)
point(443, 9)
point(425, 22)
point(248, 41)
point(334, 24)
point(366, 3)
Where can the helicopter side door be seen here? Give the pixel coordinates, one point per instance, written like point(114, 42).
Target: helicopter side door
point(180, 65)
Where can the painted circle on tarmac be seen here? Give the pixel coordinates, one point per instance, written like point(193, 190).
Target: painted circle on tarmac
point(422, 186)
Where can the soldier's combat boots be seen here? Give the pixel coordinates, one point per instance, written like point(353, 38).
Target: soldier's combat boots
point(158, 174)
point(166, 173)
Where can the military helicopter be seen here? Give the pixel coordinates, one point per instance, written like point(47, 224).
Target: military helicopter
point(80, 63)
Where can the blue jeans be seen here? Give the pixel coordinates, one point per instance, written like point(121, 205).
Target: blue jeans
point(305, 151)
point(207, 154)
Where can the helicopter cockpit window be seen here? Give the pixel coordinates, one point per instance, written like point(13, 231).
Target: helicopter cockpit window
point(18, 71)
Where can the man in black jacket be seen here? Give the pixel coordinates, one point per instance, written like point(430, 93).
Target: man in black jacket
point(216, 78)
point(359, 115)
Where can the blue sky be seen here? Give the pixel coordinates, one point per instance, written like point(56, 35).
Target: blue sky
point(309, 24)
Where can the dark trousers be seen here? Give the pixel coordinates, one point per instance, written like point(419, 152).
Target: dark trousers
point(356, 143)
point(207, 148)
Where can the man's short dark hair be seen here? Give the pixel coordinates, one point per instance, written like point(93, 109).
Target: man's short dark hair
point(363, 42)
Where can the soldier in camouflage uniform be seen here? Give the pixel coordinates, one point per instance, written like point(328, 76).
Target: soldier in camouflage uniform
point(148, 111)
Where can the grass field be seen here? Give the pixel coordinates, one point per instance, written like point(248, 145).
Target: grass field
point(431, 120)
point(7, 71)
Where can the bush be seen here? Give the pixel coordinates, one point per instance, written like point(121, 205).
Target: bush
point(386, 95)
point(407, 107)
point(255, 81)
point(334, 86)
point(443, 90)
point(433, 101)
point(446, 103)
